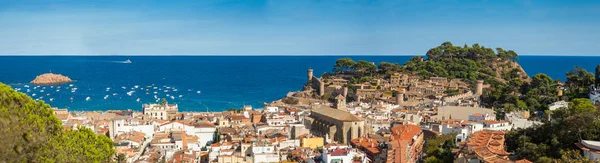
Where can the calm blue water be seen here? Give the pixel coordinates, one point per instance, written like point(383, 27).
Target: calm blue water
point(202, 82)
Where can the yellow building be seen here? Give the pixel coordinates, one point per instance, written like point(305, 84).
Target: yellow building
point(312, 142)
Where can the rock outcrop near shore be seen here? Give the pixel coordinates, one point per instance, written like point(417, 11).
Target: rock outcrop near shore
point(50, 78)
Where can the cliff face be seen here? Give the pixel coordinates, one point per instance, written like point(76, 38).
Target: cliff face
point(506, 66)
point(50, 78)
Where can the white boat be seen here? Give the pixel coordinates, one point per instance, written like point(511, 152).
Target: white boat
point(33, 94)
point(87, 98)
point(114, 94)
point(71, 98)
point(105, 97)
point(137, 100)
point(123, 87)
point(51, 99)
point(172, 97)
point(28, 90)
point(58, 90)
point(70, 85)
point(136, 86)
point(48, 94)
point(42, 91)
point(180, 96)
point(127, 61)
point(198, 92)
point(26, 86)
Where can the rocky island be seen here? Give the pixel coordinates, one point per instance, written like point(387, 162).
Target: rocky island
point(50, 78)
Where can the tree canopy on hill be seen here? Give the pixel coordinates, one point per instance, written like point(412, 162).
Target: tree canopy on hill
point(29, 132)
point(496, 67)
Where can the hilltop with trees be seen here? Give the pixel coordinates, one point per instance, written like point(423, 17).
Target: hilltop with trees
point(510, 89)
point(30, 132)
point(498, 68)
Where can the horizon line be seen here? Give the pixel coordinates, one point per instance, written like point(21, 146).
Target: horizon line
point(259, 55)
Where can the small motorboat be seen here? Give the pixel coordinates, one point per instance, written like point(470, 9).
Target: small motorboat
point(127, 61)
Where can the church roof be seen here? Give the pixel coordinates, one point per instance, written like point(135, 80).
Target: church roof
point(336, 114)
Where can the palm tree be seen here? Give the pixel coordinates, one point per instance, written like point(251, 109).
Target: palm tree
point(163, 101)
point(121, 158)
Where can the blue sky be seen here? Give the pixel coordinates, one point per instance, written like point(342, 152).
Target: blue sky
point(296, 26)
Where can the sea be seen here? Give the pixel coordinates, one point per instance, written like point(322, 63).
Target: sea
point(198, 83)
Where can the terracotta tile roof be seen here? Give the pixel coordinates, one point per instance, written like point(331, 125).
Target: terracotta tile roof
point(238, 118)
point(131, 136)
point(489, 145)
point(523, 161)
point(227, 130)
point(339, 152)
point(203, 124)
point(187, 123)
point(366, 143)
point(216, 145)
point(405, 132)
point(62, 116)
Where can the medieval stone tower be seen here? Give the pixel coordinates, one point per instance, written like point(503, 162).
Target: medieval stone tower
point(310, 73)
point(345, 92)
point(559, 91)
point(400, 97)
point(479, 88)
point(341, 102)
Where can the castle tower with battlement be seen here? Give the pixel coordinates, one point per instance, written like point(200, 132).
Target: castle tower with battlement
point(479, 87)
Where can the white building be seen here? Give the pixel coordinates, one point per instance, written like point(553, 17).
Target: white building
point(175, 126)
point(476, 117)
point(264, 153)
point(272, 109)
point(205, 132)
point(275, 122)
point(496, 125)
point(342, 155)
point(591, 149)
point(158, 111)
point(462, 128)
point(558, 104)
point(115, 126)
